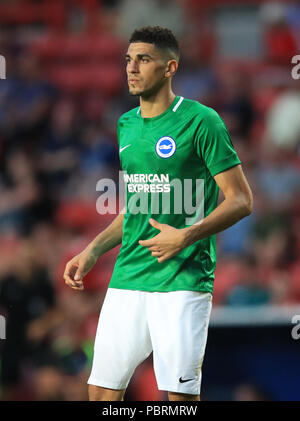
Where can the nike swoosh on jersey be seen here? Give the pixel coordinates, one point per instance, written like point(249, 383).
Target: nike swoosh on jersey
point(122, 149)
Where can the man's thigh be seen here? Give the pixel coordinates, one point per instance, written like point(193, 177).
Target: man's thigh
point(178, 323)
point(122, 339)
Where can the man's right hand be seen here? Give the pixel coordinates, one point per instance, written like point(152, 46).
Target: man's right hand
point(77, 268)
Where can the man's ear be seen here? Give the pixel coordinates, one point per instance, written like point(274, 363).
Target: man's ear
point(171, 68)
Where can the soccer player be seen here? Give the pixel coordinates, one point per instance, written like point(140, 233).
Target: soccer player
point(160, 295)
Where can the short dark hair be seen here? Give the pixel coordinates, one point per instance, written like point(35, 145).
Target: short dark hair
point(162, 38)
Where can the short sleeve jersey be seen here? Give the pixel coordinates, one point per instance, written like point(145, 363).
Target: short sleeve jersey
point(169, 163)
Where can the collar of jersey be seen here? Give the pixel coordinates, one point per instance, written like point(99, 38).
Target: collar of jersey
point(158, 117)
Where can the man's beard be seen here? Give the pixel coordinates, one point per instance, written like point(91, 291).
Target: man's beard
point(135, 93)
point(148, 92)
point(139, 93)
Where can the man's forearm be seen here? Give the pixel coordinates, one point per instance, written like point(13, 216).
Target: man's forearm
point(226, 214)
point(109, 238)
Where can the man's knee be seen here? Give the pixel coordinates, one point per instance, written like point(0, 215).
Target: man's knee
point(98, 393)
point(175, 396)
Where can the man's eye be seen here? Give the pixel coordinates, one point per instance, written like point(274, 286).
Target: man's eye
point(145, 60)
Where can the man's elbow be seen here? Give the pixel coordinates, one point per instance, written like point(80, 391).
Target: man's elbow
point(246, 204)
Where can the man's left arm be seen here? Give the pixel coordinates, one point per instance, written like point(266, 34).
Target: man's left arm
point(236, 205)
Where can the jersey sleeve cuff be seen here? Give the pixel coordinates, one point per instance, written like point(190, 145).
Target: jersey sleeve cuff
point(225, 164)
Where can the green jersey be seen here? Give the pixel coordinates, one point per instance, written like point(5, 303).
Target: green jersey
point(168, 164)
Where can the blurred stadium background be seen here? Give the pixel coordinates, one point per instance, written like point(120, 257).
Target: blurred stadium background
point(65, 89)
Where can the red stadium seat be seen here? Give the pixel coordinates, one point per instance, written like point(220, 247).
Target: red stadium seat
point(262, 99)
point(50, 13)
point(295, 281)
point(75, 214)
point(89, 47)
point(106, 79)
point(226, 277)
point(82, 215)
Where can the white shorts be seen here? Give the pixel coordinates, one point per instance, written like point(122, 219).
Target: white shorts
point(133, 323)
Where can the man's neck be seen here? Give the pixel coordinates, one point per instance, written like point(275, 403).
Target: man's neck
point(156, 104)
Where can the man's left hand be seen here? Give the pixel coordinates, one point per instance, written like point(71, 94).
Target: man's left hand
point(167, 243)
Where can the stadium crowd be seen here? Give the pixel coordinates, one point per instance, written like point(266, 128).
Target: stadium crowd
point(64, 90)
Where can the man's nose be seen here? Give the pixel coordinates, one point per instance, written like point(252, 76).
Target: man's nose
point(132, 67)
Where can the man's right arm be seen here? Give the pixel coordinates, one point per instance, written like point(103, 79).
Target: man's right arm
point(80, 265)
point(109, 238)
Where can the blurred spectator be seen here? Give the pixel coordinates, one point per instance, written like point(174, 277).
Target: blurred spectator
point(278, 180)
point(250, 393)
point(195, 79)
point(282, 121)
point(271, 246)
point(48, 384)
point(97, 150)
point(292, 14)
point(249, 291)
point(24, 109)
point(58, 153)
point(280, 288)
point(150, 13)
point(74, 387)
point(234, 103)
point(281, 43)
point(27, 299)
point(21, 201)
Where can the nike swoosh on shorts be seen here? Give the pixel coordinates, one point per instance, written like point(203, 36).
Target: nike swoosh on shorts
point(183, 381)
